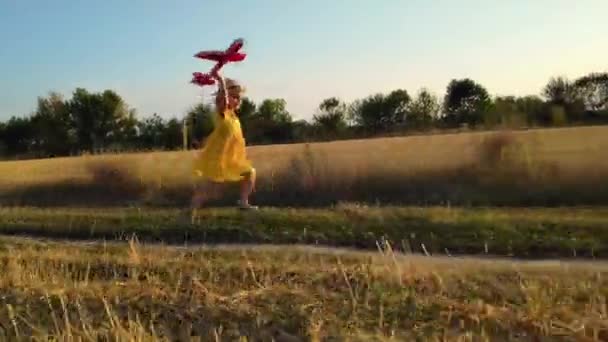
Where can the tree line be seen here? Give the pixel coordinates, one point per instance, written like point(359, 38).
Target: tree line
point(90, 122)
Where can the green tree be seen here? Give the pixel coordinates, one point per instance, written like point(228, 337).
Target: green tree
point(368, 113)
point(592, 89)
point(331, 117)
point(3, 147)
point(379, 113)
point(246, 112)
point(558, 115)
point(536, 110)
point(465, 102)
point(423, 110)
point(51, 126)
point(18, 136)
point(98, 118)
point(118, 119)
point(505, 112)
point(246, 109)
point(274, 110)
point(200, 120)
point(152, 132)
point(271, 123)
point(172, 135)
point(560, 92)
point(302, 130)
point(395, 107)
point(127, 129)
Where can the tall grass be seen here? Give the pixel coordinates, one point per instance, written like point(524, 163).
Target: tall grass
point(543, 168)
point(131, 292)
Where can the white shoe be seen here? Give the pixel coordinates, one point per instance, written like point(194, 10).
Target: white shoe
point(246, 206)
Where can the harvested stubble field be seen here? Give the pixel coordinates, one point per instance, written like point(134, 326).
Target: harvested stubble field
point(547, 167)
point(133, 292)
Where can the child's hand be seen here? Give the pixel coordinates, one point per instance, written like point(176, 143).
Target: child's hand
point(216, 74)
point(220, 82)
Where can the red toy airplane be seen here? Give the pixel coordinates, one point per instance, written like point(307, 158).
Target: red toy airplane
point(221, 58)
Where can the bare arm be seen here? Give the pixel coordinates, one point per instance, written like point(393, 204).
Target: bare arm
point(221, 92)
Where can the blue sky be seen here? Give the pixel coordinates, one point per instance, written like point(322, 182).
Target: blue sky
point(300, 51)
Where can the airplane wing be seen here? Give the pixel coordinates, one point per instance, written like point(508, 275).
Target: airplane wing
point(216, 56)
point(202, 79)
point(231, 54)
point(235, 57)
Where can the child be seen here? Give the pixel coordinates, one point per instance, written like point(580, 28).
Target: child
point(223, 158)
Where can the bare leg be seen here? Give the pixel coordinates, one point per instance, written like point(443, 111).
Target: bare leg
point(202, 193)
point(247, 187)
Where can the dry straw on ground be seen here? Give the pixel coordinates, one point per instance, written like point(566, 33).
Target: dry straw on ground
point(138, 293)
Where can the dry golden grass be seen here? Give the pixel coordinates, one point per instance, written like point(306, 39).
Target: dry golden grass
point(466, 168)
point(131, 292)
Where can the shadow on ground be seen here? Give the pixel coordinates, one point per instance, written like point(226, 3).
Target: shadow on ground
point(459, 187)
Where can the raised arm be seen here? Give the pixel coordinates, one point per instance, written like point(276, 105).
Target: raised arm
point(221, 92)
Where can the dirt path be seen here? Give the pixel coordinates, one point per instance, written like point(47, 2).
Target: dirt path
point(455, 260)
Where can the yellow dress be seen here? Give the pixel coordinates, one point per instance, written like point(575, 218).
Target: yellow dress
point(223, 158)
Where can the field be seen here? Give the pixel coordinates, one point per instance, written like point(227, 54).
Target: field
point(509, 232)
point(132, 292)
point(552, 167)
point(437, 231)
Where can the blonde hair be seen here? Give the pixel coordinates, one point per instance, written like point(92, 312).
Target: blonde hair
point(233, 87)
